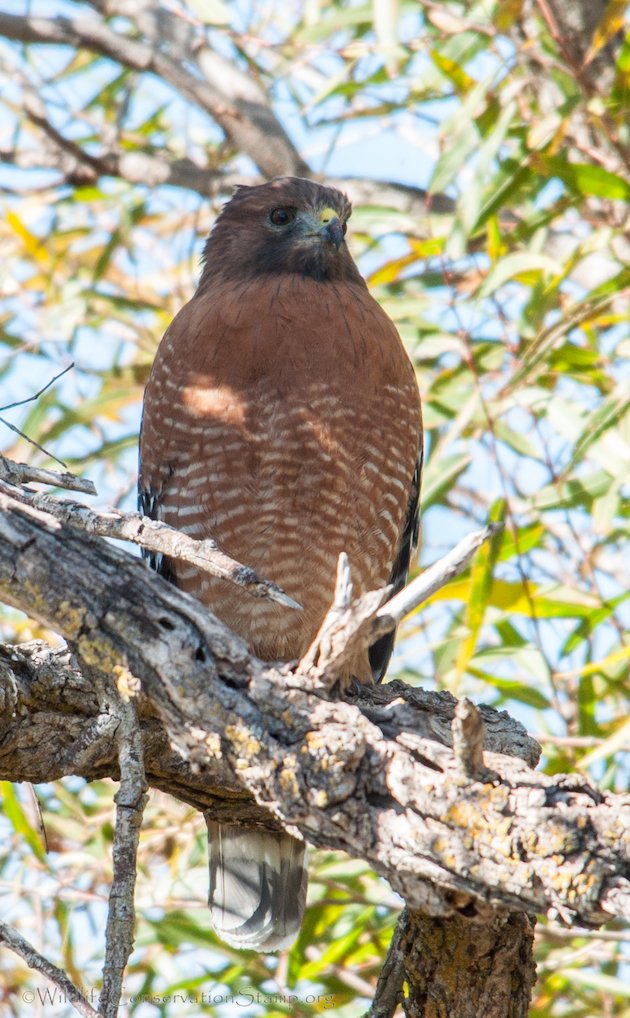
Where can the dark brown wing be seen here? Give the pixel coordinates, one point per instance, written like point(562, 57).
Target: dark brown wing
point(381, 651)
point(149, 505)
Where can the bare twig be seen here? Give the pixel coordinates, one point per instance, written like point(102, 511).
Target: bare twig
point(570, 741)
point(24, 473)
point(154, 536)
point(130, 801)
point(36, 395)
point(432, 579)
point(36, 961)
point(553, 932)
point(347, 627)
point(30, 399)
point(31, 441)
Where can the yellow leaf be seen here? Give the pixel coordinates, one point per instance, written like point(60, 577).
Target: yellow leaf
point(598, 666)
point(612, 22)
point(34, 246)
point(619, 740)
point(481, 584)
point(390, 271)
point(521, 599)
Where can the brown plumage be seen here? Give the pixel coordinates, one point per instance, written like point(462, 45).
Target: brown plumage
point(282, 418)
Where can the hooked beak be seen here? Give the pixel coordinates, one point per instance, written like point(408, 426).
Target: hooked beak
point(333, 231)
point(332, 228)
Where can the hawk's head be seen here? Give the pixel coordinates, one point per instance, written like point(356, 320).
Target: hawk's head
point(290, 225)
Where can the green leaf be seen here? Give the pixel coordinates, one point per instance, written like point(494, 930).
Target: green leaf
point(470, 200)
point(518, 441)
point(481, 581)
point(608, 415)
point(14, 812)
point(574, 492)
point(462, 137)
point(523, 692)
point(580, 314)
point(586, 178)
point(439, 476)
point(524, 264)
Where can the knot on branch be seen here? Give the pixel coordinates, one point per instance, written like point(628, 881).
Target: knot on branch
point(468, 738)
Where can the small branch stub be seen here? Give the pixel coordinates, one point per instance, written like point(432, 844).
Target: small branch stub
point(468, 738)
point(432, 579)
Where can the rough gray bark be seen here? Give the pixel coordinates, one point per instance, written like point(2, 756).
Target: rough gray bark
point(51, 726)
point(468, 969)
point(355, 776)
point(130, 801)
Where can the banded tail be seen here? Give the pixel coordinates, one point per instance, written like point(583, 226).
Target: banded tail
point(257, 886)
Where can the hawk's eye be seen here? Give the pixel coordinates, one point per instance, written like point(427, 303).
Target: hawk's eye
point(282, 217)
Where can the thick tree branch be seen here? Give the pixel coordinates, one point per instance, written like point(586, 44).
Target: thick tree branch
point(468, 969)
point(347, 775)
point(51, 726)
point(227, 94)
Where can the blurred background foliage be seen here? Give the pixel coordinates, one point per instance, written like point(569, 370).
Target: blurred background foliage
point(487, 151)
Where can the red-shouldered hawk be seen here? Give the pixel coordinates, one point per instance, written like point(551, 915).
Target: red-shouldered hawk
point(282, 418)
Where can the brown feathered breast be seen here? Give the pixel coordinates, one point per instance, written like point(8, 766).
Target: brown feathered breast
point(282, 419)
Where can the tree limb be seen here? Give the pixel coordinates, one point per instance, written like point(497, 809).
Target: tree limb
point(241, 110)
point(35, 960)
point(152, 535)
point(391, 977)
point(24, 473)
point(347, 775)
point(130, 801)
point(468, 968)
point(51, 726)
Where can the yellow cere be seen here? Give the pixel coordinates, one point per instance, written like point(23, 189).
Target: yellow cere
point(327, 214)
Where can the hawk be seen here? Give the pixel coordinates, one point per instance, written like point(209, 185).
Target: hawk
point(282, 418)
